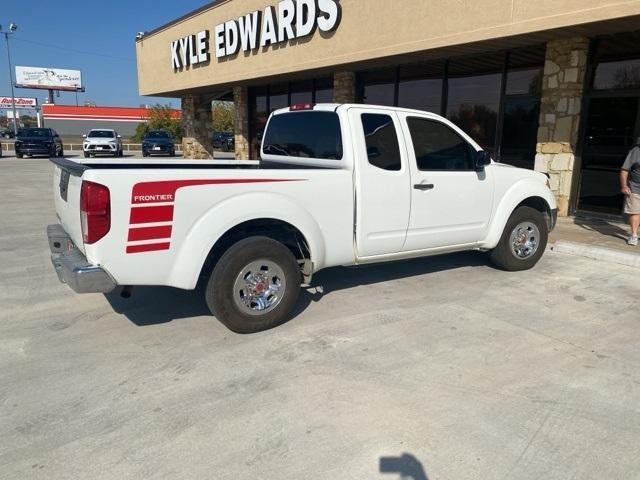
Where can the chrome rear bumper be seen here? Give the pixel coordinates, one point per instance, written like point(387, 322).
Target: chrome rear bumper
point(73, 268)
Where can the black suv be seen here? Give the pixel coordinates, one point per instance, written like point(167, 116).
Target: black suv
point(158, 142)
point(38, 141)
point(224, 141)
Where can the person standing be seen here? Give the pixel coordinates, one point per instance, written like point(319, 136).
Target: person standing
point(630, 185)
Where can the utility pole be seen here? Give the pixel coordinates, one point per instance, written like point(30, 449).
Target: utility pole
point(12, 28)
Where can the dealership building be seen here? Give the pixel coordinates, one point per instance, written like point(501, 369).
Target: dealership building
point(551, 85)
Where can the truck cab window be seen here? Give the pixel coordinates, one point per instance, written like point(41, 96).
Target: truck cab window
point(381, 138)
point(438, 147)
point(314, 135)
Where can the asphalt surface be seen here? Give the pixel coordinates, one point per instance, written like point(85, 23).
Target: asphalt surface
point(77, 155)
point(439, 368)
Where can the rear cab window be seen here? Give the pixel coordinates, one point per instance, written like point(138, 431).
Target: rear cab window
point(313, 136)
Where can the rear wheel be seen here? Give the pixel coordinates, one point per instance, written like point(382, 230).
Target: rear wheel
point(523, 241)
point(19, 155)
point(254, 286)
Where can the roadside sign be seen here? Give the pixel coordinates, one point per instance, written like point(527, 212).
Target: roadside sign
point(21, 102)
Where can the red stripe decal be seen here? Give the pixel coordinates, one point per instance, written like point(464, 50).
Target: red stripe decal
point(155, 192)
point(150, 247)
point(151, 214)
point(149, 233)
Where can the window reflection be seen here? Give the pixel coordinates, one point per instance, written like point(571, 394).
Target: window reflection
point(617, 75)
point(302, 92)
point(523, 82)
point(473, 105)
point(379, 87)
point(420, 86)
point(324, 90)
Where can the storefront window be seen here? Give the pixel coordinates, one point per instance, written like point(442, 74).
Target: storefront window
point(259, 115)
point(302, 92)
point(420, 86)
point(474, 97)
point(324, 90)
point(379, 87)
point(278, 96)
point(524, 71)
point(618, 62)
point(617, 75)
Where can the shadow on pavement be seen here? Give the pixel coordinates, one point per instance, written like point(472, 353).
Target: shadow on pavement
point(407, 466)
point(602, 227)
point(157, 305)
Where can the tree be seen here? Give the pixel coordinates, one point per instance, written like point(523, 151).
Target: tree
point(160, 118)
point(224, 115)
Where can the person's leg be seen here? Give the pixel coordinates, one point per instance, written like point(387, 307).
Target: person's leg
point(634, 221)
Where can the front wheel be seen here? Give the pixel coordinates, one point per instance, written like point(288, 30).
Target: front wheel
point(523, 241)
point(254, 286)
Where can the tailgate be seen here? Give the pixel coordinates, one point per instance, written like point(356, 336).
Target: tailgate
point(67, 181)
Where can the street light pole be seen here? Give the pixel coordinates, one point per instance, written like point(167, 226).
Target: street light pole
point(12, 28)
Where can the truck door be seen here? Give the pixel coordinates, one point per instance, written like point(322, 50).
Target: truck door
point(451, 201)
point(382, 182)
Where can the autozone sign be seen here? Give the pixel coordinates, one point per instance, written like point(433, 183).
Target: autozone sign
point(21, 102)
point(288, 20)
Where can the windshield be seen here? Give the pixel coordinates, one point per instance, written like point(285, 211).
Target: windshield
point(157, 134)
point(101, 134)
point(34, 132)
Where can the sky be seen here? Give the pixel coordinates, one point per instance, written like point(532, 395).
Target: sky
point(97, 38)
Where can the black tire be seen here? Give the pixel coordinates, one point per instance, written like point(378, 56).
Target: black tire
point(220, 293)
point(225, 147)
point(86, 154)
point(120, 153)
point(145, 154)
point(19, 155)
point(61, 153)
point(503, 255)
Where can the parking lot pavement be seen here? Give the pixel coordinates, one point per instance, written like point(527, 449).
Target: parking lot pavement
point(444, 368)
point(77, 155)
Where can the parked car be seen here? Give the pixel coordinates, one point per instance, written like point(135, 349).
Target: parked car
point(102, 141)
point(158, 142)
point(38, 141)
point(7, 133)
point(224, 141)
point(337, 185)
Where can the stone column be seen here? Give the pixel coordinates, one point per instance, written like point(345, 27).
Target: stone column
point(562, 90)
point(197, 124)
point(344, 87)
point(241, 103)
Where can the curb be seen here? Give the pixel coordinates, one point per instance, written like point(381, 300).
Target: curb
point(597, 253)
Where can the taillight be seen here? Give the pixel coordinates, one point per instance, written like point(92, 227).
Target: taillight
point(95, 211)
point(296, 107)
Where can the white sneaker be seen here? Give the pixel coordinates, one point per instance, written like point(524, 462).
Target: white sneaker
point(633, 240)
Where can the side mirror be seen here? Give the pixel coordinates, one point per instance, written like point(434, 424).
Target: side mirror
point(482, 159)
point(84, 136)
point(119, 136)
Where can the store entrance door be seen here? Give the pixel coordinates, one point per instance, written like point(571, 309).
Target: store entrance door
point(612, 128)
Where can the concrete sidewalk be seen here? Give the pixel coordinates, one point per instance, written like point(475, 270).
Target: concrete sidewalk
point(593, 231)
point(595, 238)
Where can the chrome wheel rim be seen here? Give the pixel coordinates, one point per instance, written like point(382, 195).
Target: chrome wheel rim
point(525, 240)
point(259, 287)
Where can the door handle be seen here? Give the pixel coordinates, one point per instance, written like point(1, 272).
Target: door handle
point(424, 186)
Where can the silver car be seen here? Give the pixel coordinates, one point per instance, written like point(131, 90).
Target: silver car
point(102, 141)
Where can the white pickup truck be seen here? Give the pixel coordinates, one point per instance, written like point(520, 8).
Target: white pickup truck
point(336, 185)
